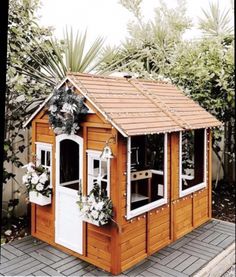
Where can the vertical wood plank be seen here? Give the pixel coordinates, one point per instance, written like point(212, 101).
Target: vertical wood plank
point(210, 173)
point(84, 187)
point(53, 174)
point(174, 161)
point(116, 174)
point(33, 206)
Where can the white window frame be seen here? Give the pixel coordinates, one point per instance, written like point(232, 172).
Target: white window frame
point(91, 155)
point(132, 213)
point(200, 185)
point(41, 146)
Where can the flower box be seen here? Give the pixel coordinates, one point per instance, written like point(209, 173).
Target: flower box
point(39, 199)
point(94, 222)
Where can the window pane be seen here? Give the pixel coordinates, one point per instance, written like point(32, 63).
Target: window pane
point(192, 158)
point(147, 169)
point(104, 188)
point(69, 161)
point(42, 157)
point(48, 159)
point(104, 169)
point(96, 167)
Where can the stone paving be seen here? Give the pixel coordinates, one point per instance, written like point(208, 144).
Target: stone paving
point(185, 257)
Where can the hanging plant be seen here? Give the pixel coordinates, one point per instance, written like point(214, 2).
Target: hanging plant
point(95, 208)
point(66, 110)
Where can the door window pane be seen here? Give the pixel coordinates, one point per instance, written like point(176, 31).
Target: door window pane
point(69, 161)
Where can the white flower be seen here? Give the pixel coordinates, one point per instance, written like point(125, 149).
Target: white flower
point(99, 206)
point(25, 179)
point(58, 130)
point(85, 209)
point(94, 214)
point(53, 108)
point(39, 187)
point(68, 108)
point(35, 179)
point(43, 178)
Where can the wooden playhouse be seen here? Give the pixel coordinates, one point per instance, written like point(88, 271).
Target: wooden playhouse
point(159, 176)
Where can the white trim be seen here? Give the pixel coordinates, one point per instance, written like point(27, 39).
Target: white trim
point(44, 144)
point(76, 139)
point(102, 112)
point(93, 154)
point(37, 111)
point(45, 147)
point(62, 191)
point(198, 186)
point(152, 205)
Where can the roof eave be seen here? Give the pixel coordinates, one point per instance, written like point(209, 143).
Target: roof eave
point(43, 104)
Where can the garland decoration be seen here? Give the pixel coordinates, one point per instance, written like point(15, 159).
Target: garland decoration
point(66, 110)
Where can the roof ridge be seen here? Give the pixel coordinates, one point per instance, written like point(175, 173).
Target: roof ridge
point(163, 107)
point(117, 78)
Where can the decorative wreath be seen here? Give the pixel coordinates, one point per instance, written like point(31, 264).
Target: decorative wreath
point(66, 110)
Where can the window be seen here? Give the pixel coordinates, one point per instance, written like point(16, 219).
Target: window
point(146, 173)
point(192, 159)
point(44, 155)
point(98, 172)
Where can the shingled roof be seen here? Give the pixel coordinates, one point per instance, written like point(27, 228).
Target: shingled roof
point(137, 107)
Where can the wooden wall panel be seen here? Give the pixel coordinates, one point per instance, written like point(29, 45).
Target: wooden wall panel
point(182, 216)
point(201, 207)
point(99, 247)
point(97, 138)
point(159, 228)
point(133, 242)
point(43, 216)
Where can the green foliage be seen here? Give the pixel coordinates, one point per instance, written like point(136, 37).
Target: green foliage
point(205, 70)
point(216, 22)
point(56, 58)
point(22, 90)
point(150, 45)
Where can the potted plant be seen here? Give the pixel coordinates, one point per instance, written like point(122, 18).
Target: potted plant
point(95, 208)
point(37, 182)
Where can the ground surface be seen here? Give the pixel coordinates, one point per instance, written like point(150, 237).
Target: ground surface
point(223, 202)
point(183, 258)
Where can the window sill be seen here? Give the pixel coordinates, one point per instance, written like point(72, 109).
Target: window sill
point(145, 208)
point(192, 189)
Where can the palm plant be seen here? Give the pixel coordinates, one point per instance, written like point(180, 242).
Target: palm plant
point(216, 22)
point(69, 55)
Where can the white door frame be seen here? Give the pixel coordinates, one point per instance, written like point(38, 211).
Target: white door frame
point(68, 191)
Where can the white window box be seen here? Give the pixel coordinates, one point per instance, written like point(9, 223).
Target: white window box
point(94, 222)
point(39, 199)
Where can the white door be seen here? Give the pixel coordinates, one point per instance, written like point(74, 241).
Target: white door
point(69, 173)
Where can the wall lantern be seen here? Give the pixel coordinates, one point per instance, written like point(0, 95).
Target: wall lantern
point(107, 152)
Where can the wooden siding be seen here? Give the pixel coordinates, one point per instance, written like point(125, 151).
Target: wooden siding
point(42, 219)
point(153, 230)
point(120, 245)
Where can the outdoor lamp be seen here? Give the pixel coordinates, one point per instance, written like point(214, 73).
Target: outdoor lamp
point(106, 152)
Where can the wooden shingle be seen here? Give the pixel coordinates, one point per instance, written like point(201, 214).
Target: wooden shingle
point(139, 107)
